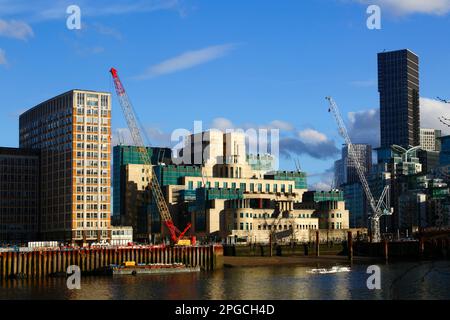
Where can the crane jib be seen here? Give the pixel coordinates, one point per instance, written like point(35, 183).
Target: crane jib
point(163, 209)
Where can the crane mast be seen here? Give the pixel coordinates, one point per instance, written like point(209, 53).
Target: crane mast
point(138, 141)
point(379, 208)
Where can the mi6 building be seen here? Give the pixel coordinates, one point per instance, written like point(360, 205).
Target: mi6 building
point(72, 132)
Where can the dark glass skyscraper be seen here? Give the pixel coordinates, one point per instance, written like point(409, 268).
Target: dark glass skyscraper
point(398, 84)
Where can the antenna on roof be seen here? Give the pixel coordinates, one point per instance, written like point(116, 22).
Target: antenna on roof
point(445, 121)
point(120, 137)
point(297, 164)
point(443, 100)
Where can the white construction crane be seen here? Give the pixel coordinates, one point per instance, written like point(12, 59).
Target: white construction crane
point(378, 208)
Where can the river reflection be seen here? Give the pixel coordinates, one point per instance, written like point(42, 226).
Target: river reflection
point(399, 281)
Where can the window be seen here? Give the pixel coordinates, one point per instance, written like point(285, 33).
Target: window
point(233, 185)
point(241, 226)
point(243, 186)
point(199, 184)
point(225, 185)
point(259, 187)
point(267, 187)
point(252, 187)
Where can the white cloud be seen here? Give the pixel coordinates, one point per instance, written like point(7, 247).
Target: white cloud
point(312, 136)
point(309, 142)
point(407, 7)
point(187, 60)
point(44, 10)
point(122, 136)
point(282, 125)
point(364, 127)
point(430, 112)
point(151, 135)
point(15, 29)
point(3, 60)
point(157, 137)
point(224, 123)
point(221, 124)
point(320, 186)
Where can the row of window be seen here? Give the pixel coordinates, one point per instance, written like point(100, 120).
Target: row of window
point(285, 227)
point(249, 226)
point(91, 233)
point(91, 137)
point(92, 120)
point(92, 163)
point(337, 225)
point(242, 186)
point(90, 189)
point(92, 207)
point(90, 154)
point(92, 172)
point(92, 129)
point(93, 198)
point(121, 232)
point(91, 181)
point(93, 112)
point(93, 215)
point(92, 99)
point(267, 215)
point(92, 224)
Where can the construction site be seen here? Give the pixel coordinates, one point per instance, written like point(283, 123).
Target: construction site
point(222, 198)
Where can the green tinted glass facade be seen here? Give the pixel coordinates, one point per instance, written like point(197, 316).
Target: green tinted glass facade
point(297, 176)
point(124, 155)
point(172, 175)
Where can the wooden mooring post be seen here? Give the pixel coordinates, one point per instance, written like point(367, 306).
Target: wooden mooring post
point(350, 245)
point(386, 250)
point(317, 243)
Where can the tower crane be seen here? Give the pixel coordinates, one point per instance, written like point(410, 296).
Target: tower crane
point(377, 208)
point(136, 134)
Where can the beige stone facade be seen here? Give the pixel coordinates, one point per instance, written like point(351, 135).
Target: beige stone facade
point(73, 133)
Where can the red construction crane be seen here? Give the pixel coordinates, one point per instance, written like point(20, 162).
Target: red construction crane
point(132, 122)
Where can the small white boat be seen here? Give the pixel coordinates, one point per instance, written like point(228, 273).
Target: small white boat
point(327, 271)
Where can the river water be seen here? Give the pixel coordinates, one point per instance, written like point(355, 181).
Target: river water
point(424, 280)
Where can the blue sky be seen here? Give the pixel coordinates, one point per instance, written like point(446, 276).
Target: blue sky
point(234, 63)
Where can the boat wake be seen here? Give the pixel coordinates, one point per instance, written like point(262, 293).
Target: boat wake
point(328, 271)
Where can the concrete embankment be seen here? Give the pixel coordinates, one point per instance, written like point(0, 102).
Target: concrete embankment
point(307, 261)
